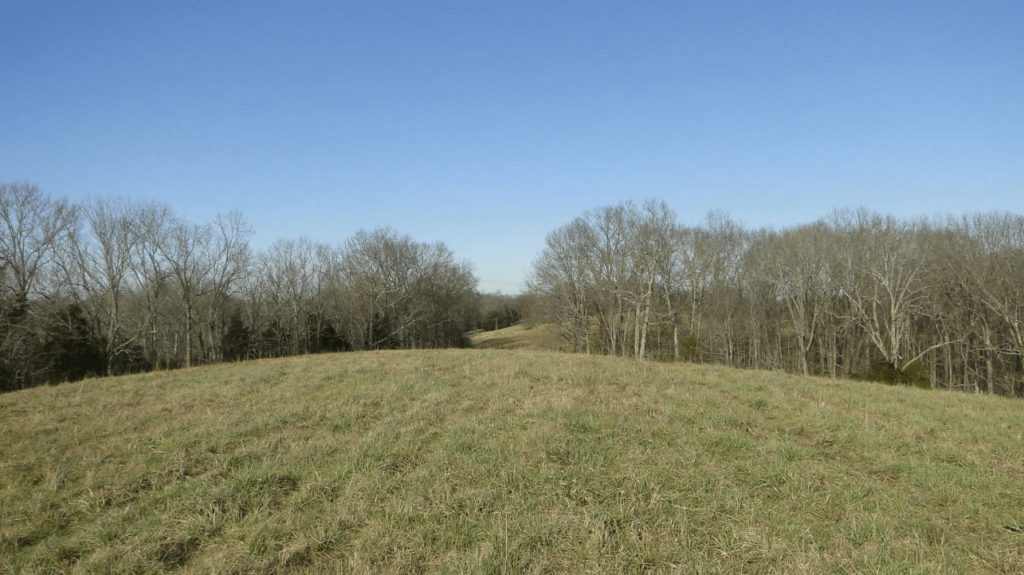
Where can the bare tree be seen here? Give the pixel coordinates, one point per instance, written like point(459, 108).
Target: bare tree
point(397, 290)
point(191, 260)
point(886, 281)
point(325, 287)
point(563, 276)
point(33, 231)
point(230, 263)
point(152, 276)
point(100, 268)
point(613, 270)
point(652, 235)
point(31, 227)
point(794, 264)
point(288, 268)
point(986, 269)
point(716, 281)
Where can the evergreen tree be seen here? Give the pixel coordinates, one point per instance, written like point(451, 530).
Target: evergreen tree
point(70, 351)
point(235, 343)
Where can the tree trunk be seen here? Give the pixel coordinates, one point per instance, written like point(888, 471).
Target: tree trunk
point(188, 334)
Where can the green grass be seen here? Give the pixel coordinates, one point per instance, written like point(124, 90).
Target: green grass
point(483, 461)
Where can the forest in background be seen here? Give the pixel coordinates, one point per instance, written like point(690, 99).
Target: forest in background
point(935, 303)
point(111, 286)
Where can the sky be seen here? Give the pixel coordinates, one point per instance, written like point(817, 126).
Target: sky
point(487, 125)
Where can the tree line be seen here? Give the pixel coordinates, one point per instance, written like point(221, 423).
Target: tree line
point(112, 286)
point(936, 302)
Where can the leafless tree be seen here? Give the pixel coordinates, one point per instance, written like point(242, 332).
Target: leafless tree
point(33, 230)
point(885, 281)
point(100, 268)
point(563, 276)
point(794, 264)
point(230, 259)
point(189, 252)
point(152, 276)
point(402, 293)
point(31, 227)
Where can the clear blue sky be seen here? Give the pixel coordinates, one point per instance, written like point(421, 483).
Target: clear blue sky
point(486, 125)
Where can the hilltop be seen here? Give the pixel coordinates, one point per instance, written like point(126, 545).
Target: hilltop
point(505, 461)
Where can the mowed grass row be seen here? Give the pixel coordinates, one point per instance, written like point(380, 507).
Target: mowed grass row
point(506, 462)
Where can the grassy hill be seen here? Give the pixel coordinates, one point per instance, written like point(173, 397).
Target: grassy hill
point(505, 461)
point(520, 336)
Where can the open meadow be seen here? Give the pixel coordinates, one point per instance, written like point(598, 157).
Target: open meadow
point(505, 461)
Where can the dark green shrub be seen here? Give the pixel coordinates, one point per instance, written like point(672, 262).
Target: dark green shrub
point(690, 348)
point(916, 374)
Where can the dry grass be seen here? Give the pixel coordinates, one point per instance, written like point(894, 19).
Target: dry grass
point(520, 336)
point(505, 462)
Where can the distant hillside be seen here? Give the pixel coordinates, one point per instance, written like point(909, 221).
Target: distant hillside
point(505, 462)
point(520, 336)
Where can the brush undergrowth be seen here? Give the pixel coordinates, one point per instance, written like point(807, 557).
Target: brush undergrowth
point(505, 462)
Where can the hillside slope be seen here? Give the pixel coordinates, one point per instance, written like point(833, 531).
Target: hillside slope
point(521, 337)
point(505, 461)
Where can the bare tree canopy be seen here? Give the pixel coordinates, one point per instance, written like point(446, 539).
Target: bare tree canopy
point(859, 294)
point(112, 286)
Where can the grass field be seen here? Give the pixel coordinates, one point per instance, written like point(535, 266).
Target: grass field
point(496, 461)
point(520, 336)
